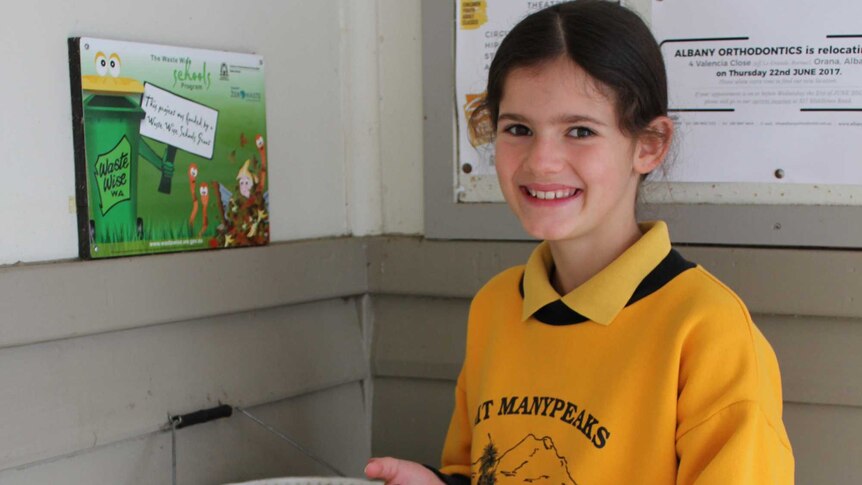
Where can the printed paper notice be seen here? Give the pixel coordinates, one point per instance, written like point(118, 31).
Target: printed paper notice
point(767, 91)
point(177, 121)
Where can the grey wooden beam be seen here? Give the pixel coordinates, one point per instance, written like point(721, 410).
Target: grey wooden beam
point(49, 301)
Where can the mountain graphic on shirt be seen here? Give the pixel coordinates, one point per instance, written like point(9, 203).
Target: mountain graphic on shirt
point(531, 460)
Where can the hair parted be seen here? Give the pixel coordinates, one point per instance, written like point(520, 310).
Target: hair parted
point(611, 43)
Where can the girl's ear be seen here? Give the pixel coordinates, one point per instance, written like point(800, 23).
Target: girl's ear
point(653, 146)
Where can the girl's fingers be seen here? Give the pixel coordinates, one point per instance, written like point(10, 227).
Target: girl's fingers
point(382, 468)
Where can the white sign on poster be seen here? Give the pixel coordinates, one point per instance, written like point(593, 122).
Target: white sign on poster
point(178, 121)
point(763, 97)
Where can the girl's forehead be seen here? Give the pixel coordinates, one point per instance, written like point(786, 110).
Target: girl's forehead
point(554, 84)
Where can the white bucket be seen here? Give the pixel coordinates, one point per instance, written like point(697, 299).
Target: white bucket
point(310, 481)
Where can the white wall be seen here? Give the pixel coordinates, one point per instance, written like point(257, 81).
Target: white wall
point(343, 109)
point(381, 101)
point(401, 116)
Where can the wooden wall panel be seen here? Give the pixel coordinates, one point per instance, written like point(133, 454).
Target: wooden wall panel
point(228, 450)
point(788, 281)
point(419, 337)
point(64, 396)
point(826, 443)
point(820, 358)
point(421, 267)
point(411, 417)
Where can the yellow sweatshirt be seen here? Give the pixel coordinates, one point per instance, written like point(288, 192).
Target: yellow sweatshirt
point(650, 372)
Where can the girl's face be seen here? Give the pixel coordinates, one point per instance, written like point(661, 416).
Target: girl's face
point(565, 168)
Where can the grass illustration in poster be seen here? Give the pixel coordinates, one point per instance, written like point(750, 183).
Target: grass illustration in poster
point(170, 148)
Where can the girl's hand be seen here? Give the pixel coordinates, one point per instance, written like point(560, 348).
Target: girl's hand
point(400, 472)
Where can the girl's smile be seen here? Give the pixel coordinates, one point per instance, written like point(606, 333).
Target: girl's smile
point(550, 194)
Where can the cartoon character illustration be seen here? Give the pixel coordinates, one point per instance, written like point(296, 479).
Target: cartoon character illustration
point(245, 220)
point(193, 176)
point(245, 180)
point(205, 199)
point(261, 148)
point(107, 80)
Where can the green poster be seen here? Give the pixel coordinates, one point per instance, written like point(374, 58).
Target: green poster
point(170, 148)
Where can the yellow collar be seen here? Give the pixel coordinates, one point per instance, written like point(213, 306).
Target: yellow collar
point(603, 296)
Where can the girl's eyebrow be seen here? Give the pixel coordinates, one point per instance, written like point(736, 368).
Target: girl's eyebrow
point(576, 118)
point(563, 119)
point(511, 117)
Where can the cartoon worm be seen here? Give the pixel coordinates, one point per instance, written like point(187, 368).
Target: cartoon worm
point(261, 148)
point(193, 176)
point(205, 198)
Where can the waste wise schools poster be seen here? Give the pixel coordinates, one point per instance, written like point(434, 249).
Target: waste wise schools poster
point(764, 92)
point(480, 26)
point(170, 148)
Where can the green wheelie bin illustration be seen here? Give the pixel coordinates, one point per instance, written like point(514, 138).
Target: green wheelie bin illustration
point(112, 118)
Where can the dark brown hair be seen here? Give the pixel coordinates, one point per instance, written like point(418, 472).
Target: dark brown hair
point(611, 43)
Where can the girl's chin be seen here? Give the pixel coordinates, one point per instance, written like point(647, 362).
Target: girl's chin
point(547, 231)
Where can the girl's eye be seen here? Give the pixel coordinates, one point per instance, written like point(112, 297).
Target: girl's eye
point(518, 130)
point(581, 132)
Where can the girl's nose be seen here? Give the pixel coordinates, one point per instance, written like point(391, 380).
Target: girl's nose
point(545, 156)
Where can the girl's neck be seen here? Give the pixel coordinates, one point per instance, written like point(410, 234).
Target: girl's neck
point(578, 260)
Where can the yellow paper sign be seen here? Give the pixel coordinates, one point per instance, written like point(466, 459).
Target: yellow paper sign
point(474, 14)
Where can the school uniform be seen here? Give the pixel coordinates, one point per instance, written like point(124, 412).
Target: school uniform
point(650, 372)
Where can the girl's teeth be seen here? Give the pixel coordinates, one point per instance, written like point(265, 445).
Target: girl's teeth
point(551, 194)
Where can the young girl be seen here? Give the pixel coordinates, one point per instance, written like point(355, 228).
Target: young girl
point(607, 358)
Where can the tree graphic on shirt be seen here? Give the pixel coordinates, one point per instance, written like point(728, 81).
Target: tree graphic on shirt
point(487, 464)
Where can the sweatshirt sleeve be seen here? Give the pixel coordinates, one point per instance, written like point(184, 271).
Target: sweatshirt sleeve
point(729, 404)
point(735, 445)
point(456, 449)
